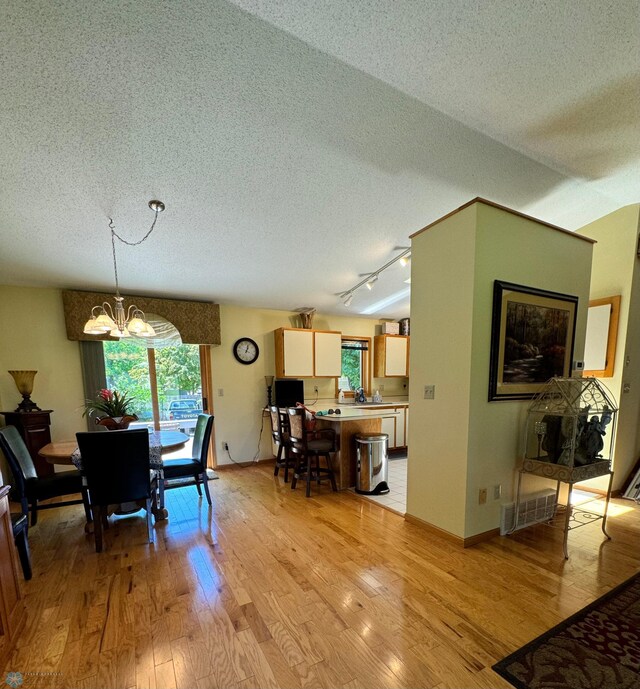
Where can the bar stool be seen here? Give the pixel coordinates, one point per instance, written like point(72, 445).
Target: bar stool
point(307, 449)
point(280, 434)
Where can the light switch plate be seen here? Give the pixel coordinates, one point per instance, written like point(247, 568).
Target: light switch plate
point(429, 392)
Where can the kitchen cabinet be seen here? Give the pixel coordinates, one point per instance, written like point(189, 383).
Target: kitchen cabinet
point(389, 427)
point(328, 354)
point(303, 353)
point(395, 427)
point(406, 426)
point(391, 356)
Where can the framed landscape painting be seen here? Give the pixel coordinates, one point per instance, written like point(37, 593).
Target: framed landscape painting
point(532, 336)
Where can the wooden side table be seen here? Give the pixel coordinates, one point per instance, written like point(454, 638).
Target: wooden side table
point(34, 427)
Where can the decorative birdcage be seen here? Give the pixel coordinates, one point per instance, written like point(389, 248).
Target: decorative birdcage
point(570, 430)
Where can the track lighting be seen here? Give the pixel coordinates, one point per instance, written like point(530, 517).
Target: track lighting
point(403, 258)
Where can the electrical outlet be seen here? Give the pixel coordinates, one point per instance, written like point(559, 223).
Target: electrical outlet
point(482, 496)
point(381, 387)
point(429, 392)
point(225, 446)
point(220, 392)
point(497, 491)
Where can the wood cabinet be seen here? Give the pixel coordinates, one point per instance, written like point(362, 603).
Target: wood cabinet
point(391, 356)
point(34, 427)
point(303, 353)
point(12, 609)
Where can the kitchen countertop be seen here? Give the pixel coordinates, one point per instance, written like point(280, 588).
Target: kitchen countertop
point(331, 404)
point(372, 405)
point(352, 412)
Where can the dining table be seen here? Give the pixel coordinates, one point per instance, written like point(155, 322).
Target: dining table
point(65, 452)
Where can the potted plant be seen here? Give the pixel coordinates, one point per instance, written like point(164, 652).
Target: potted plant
point(111, 409)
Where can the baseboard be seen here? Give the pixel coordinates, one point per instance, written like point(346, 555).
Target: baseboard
point(481, 537)
point(452, 538)
point(427, 526)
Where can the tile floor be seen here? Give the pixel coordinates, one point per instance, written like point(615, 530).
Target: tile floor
point(396, 498)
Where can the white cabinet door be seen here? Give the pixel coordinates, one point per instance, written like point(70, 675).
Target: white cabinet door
point(400, 433)
point(406, 426)
point(298, 353)
point(396, 356)
point(389, 427)
point(328, 354)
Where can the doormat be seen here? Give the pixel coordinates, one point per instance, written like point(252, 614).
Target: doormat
point(597, 647)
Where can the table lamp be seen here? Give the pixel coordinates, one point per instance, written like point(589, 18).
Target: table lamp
point(269, 381)
point(24, 383)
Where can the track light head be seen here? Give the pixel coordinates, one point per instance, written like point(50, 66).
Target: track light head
point(348, 300)
point(370, 281)
point(404, 260)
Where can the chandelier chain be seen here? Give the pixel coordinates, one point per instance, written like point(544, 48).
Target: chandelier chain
point(115, 235)
point(126, 241)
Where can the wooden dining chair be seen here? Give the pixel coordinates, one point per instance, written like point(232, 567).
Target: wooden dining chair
point(116, 468)
point(30, 488)
point(308, 447)
point(280, 435)
point(189, 471)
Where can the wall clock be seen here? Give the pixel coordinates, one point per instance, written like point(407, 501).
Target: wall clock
point(245, 350)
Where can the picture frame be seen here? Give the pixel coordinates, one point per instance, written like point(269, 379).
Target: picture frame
point(602, 337)
point(532, 337)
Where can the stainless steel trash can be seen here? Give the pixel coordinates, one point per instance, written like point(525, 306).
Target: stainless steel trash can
point(372, 453)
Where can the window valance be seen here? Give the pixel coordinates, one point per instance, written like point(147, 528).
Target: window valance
point(197, 321)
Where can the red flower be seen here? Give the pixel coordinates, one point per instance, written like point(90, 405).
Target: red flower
point(106, 395)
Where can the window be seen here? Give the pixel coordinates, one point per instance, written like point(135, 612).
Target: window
point(355, 363)
point(166, 382)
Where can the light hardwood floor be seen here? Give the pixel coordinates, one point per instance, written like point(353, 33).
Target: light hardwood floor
point(269, 589)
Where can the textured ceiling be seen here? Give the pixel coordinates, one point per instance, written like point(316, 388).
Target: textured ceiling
point(297, 144)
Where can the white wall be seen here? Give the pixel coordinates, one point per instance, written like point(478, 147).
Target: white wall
point(33, 337)
point(460, 442)
point(616, 270)
point(512, 249)
point(442, 278)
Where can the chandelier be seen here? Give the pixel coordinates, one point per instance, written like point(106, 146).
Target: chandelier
point(115, 321)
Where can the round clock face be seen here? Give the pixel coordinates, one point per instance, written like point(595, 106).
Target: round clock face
point(245, 350)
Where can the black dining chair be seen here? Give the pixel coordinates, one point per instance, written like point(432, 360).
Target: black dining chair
point(20, 527)
point(308, 447)
point(30, 488)
point(189, 471)
point(280, 435)
point(116, 468)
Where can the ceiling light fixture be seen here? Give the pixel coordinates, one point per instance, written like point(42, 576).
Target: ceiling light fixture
point(368, 281)
point(114, 321)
